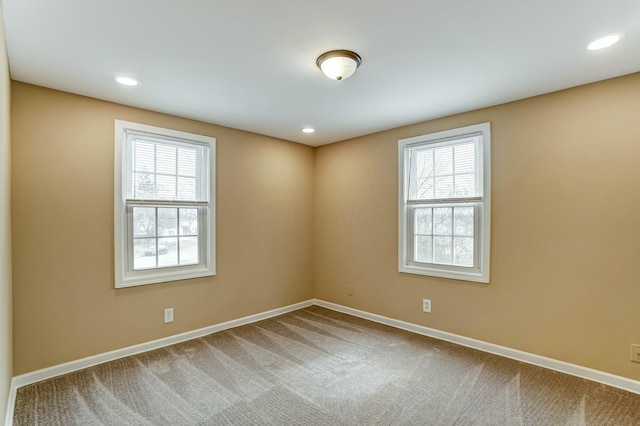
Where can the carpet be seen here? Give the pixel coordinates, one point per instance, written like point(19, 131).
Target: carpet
point(315, 366)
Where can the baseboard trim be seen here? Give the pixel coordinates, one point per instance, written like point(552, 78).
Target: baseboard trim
point(541, 361)
point(68, 367)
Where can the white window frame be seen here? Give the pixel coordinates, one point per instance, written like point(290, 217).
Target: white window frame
point(125, 275)
point(482, 227)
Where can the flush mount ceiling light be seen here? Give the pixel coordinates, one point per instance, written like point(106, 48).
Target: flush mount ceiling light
point(308, 130)
point(125, 80)
point(339, 64)
point(605, 41)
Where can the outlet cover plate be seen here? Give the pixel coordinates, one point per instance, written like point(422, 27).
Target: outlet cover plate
point(168, 315)
point(426, 305)
point(635, 353)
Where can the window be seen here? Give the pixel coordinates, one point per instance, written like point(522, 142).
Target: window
point(444, 204)
point(164, 205)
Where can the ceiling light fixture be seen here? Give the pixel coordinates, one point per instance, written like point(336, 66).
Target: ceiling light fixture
point(605, 41)
point(308, 130)
point(126, 80)
point(339, 64)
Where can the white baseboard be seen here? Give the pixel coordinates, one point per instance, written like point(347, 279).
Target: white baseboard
point(541, 361)
point(68, 367)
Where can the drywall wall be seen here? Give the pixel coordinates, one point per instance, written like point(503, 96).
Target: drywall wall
point(565, 231)
point(65, 303)
point(5, 229)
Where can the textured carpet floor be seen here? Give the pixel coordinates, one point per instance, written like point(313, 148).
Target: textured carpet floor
point(319, 367)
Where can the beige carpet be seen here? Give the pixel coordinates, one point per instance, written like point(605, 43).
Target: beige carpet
point(319, 367)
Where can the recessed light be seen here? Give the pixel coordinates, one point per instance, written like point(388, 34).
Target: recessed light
point(126, 80)
point(605, 41)
point(308, 130)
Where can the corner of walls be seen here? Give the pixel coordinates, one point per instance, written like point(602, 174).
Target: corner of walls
point(6, 338)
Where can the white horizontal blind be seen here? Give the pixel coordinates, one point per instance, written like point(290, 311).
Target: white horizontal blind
point(164, 169)
point(446, 170)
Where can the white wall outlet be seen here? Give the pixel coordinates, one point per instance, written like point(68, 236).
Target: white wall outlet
point(350, 289)
point(426, 305)
point(168, 315)
point(635, 353)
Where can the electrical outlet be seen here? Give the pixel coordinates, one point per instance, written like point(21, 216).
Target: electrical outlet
point(635, 353)
point(350, 289)
point(168, 315)
point(426, 305)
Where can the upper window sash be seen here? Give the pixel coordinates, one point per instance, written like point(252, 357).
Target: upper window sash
point(445, 170)
point(165, 169)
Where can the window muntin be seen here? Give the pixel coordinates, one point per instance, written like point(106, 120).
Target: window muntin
point(164, 205)
point(444, 191)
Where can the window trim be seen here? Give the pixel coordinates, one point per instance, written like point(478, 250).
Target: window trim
point(127, 277)
point(483, 241)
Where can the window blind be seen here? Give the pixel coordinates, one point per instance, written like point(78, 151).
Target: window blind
point(163, 169)
point(446, 170)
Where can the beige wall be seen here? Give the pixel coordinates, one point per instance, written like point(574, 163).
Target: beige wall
point(5, 229)
point(565, 229)
point(65, 304)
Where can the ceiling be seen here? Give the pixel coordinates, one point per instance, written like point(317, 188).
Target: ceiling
point(250, 64)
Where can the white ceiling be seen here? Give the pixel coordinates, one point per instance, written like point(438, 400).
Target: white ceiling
point(250, 64)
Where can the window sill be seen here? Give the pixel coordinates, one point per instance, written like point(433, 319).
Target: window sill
point(161, 277)
point(454, 275)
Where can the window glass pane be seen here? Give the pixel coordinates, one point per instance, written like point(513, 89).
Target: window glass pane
point(144, 221)
point(424, 163)
point(144, 253)
point(423, 249)
point(167, 222)
point(143, 157)
point(442, 250)
point(444, 187)
point(465, 158)
point(167, 251)
point(145, 184)
point(424, 221)
point(165, 159)
point(165, 187)
point(186, 188)
point(188, 221)
point(463, 251)
point(442, 218)
point(186, 162)
point(465, 186)
point(464, 221)
point(189, 250)
point(443, 161)
point(425, 189)
point(421, 176)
